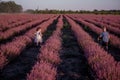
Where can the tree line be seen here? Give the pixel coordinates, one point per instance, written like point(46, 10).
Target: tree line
point(46, 11)
point(10, 7)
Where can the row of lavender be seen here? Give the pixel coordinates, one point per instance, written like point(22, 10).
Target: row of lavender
point(100, 21)
point(48, 59)
point(13, 49)
point(18, 23)
point(113, 20)
point(100, 24)
point(105, 67)
point(17, 30)
point(8, 21)
point(114, 40)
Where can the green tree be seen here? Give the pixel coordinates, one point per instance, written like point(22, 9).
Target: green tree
point(10, 7)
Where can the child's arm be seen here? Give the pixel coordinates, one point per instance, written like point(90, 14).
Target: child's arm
point(108, 36)
point(41, 34)
point(100, 36)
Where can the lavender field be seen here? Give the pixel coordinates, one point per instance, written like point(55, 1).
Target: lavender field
point(70, 49)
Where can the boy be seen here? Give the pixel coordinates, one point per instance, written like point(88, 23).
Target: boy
point(104, 36)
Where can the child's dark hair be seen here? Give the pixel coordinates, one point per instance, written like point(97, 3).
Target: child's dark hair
point(104, 28)
point(38, 28)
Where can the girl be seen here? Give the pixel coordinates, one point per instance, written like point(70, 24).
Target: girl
point(38, 36)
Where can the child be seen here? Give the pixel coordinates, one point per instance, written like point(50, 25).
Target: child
point(38, 36)
point(104, 36)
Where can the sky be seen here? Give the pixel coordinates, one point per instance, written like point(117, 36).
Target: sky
point(69, 4)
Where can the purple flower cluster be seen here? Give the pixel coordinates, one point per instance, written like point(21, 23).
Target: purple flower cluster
point(109, 27)
point(8, 21)
point(45, 68)
point(42, 71)
point(112, 20)
point(11, 32)
point(114, 40)
point(3, 60)
point(104, 65)
point(13, 49)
